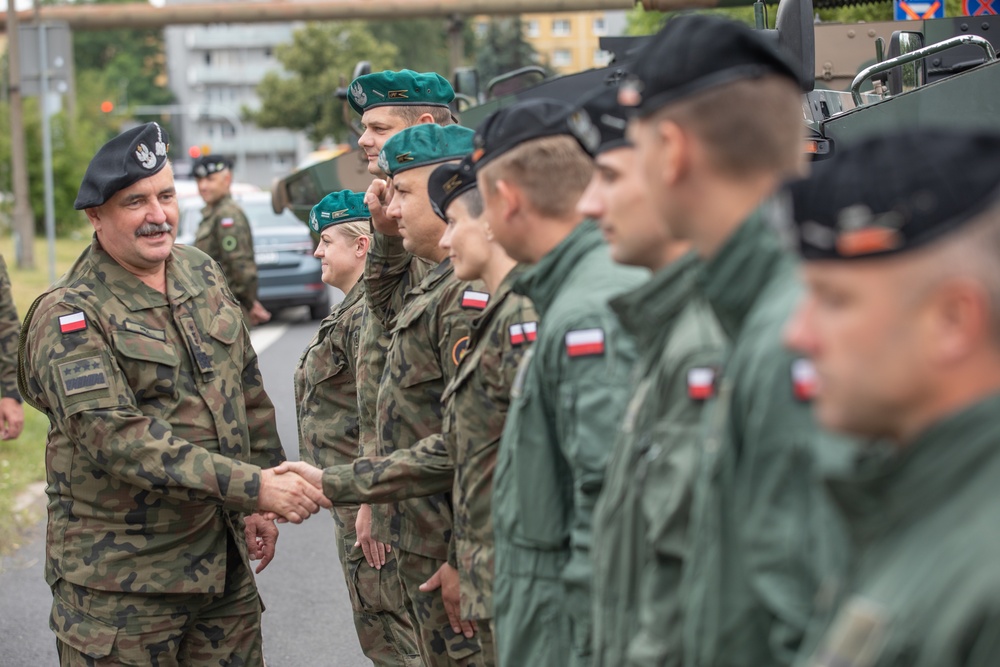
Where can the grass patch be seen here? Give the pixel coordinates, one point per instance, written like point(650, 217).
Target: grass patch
point(22, 461)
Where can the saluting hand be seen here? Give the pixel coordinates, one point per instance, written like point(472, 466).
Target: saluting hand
point(377, 198)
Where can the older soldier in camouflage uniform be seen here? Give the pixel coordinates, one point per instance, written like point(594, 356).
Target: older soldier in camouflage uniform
point(160, 430)
point(224, 234)
point(475, 407)
point(570, 392)
point(901, 240)
point(641, 518)
point(327, 402)
point(11, 412)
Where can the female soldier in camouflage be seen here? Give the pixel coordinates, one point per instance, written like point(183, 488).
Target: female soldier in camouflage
point(327, 403)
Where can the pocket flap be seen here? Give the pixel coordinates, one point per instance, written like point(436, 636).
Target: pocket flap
point(138, 346)
point(89, 636)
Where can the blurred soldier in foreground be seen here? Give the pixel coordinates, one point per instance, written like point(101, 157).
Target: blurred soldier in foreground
point(570, 392)
point(11, 412)
point(716, 137)
point(160, 433)
point(901, 241)
point(327, 402)
point(641, 519)
point(224, 234)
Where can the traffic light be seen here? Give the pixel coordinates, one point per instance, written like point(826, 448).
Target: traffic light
point(194, 152)
point(107, 106)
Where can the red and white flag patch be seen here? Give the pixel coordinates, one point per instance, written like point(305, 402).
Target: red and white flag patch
point(701, 383)
point(517, 334)
point(72, 322)
point(227, 222)
point(805, 382)
point(530, 331)
point(473, 299)
point(585, 342)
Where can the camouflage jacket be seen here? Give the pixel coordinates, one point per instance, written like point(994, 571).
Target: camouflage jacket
point(641, 517)
point(390, 272)
point(10, 329)
point(152, 400)
point(475, 408)
point(224, 235)
point(429, 339)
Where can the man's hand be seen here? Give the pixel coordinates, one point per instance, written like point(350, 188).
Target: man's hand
point(259, 314)
point(377, 199)
point(262, 537)
point(374, 550)
point(446, 578)
point(310, 473)
point(11, 418)
point(289, 496)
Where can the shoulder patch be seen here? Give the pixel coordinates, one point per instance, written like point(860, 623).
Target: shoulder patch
point(229, 243)
point(73, 322)
point(460, 349)
point(523, 332)
point(701, 383)
point(530, 331)
point(585, 342)
point(227, 222)
point(475, 300)
point(83, 375)
point(804, 380)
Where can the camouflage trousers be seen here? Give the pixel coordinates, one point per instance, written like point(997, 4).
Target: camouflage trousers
point(439, 645)
point(105, 628)
point(384, 629)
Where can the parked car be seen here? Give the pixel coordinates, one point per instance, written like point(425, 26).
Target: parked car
point(288, 274)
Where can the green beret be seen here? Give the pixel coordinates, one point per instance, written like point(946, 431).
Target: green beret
point(128, 158)
point(424, 144)
point(337, 208)
point(402, 88)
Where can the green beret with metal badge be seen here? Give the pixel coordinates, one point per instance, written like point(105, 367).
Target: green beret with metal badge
point(337, 208)
point(399, 88)
point(424, 144)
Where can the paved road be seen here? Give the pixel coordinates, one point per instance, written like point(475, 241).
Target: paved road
point(308, 620)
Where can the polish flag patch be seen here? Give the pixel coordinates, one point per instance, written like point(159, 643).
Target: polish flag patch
point(72, 322)
point(530, 331)
point(227, 222)
point(585, 342)
point(473, 299)
point(701, 383)
point(517, 334)
point(805, 383)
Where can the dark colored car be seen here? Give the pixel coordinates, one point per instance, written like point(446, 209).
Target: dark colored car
point(288, 274)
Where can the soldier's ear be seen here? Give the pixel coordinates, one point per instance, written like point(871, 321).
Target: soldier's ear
point(510, 199)
point(94, 216)
point(361, 245)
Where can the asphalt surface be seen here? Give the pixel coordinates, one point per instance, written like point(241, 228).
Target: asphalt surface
point(308, 619)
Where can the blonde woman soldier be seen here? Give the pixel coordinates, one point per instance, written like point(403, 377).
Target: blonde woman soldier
point(327, 404)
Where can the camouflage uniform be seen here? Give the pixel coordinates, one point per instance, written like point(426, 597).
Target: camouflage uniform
point(224, 235)
point(475, 408)
point(10, 329)
point(150, 462)
point(326, 399)
point(641, 518)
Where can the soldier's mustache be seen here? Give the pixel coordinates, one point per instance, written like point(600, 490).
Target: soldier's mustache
point(151, 228)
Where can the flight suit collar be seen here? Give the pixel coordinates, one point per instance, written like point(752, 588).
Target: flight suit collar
point(135, 294)
point(543, 281)
point(649, 309)
point(733, 280)
point(889, 488)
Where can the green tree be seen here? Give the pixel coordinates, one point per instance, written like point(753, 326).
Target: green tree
point(502, 48)
point(422, 44)
point(318, 61)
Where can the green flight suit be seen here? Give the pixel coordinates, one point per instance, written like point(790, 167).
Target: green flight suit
point(10, 329)
point(764, 535)
point(326, 401)
point(923, 588)
point(641, 518)
point(567, 404)
point(224, 235)
point(160, 426)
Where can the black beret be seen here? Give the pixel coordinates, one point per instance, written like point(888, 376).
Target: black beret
point(695, 52)
point(448, 182)
point(130, 157)
point(210, 164)
point(511, 126)
point(599, 122)
point(893, 193)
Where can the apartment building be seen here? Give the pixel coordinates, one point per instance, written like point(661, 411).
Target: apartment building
point(569, 42)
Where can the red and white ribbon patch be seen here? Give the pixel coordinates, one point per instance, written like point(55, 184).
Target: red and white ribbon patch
point(473, 299)
point(585, 342)
point(701, 383)
point(805, 382)
point(72, 322)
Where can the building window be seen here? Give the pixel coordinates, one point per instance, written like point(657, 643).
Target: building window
point(531, 28)
point(208, 57)
point(561, 28)
point(602, 58)
point(600, 27)
point(562, 58)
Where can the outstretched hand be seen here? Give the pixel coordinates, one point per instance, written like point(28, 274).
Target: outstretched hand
point(290, 495)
